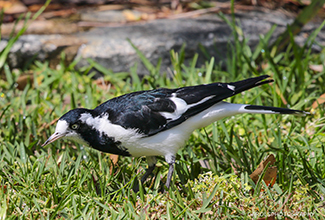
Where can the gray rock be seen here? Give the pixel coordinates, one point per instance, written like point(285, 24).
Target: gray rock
point(109, 46)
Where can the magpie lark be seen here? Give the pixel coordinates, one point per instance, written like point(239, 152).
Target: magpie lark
point(157, 122)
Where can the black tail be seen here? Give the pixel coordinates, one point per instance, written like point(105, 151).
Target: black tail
point(273, 110)
point(202, 97)
point(220, 91)
point(246, 84)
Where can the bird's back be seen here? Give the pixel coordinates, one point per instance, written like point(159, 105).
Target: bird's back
point(157, 110)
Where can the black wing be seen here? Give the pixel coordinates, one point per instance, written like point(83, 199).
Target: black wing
point(140, 110)
point(144, 110)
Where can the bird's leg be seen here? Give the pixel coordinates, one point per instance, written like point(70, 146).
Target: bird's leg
point(170, 159)
point(151, 166)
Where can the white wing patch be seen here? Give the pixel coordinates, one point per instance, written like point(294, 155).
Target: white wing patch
point(181, 107)
point(231, 87)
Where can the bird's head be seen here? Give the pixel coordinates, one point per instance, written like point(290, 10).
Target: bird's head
point(69, 126)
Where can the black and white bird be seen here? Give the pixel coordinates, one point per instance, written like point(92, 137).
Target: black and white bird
point(157, 122)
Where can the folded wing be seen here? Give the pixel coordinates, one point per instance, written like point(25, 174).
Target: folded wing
point(150, 112)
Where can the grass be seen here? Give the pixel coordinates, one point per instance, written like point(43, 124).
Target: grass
point(64, 180)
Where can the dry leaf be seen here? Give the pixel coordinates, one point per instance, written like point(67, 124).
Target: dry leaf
point(63, 13)
point(272, 217)
point(270, 174)
point(146, 16)
point(13, 7)
point(50, 7)
point(277, 90)
point(3, 188)
point(114, 159)
point(110, 7)
point(132, 15)
point(59, 160)
point(42, 27)
point(23, 80)
point(317, 68)
point(205, 164)
point(319, 101)
point(103, 84)
point(5, 4)
point(65, 41)
point(145, 9)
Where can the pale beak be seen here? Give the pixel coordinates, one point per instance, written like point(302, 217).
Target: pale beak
point(53, 138)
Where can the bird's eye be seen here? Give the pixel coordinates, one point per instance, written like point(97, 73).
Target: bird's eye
point(75, 126)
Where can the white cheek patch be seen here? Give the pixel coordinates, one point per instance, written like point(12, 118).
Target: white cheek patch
point(61, 127)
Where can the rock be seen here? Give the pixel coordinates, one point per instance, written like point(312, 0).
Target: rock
point(155, 39)
point(109, 46)
point(41, 47)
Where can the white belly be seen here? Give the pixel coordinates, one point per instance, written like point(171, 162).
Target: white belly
point(170, 141)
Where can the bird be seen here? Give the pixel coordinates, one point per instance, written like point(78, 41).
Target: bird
point(157, 122)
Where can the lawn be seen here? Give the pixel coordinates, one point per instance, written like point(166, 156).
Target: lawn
point(66, 180)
